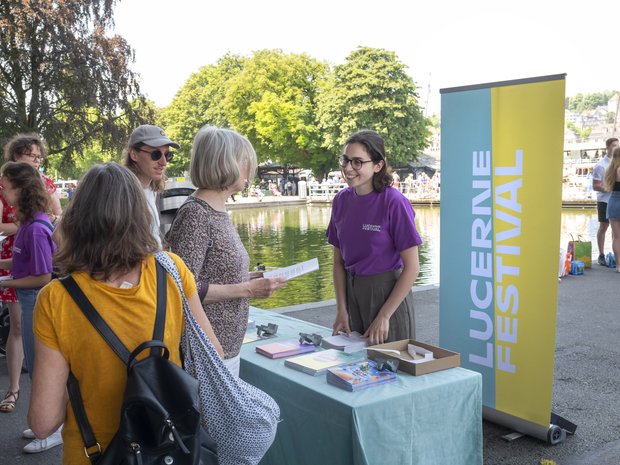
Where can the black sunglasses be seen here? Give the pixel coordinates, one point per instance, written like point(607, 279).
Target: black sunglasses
point(314, 339)
point(268, 330)
point(389, 364)
point(156, 154)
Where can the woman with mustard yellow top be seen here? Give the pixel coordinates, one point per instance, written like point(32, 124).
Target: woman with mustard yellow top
point(108, 248)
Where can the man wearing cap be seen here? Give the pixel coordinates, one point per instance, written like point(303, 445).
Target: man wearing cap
point(148, 153)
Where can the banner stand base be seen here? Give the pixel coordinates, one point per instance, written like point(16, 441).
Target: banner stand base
point(556, 433)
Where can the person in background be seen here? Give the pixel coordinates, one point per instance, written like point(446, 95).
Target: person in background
point(203, 235)
point(108, 208)
point(375, 245)
point(409, 183)
point(70, 191)
point(395, 180)
point(602, 197)
point(31, 264)
point(611, 183)
point(147, 154)
point(30, 149)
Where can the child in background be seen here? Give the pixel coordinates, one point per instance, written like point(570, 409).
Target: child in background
point(31, 264)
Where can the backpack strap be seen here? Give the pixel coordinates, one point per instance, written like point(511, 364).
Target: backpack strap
point(188, 200)
point(95, 318)
point(43, 222)
point(203, 285)
point(92, 448)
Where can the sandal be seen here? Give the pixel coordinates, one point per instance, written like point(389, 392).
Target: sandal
point(9, 405)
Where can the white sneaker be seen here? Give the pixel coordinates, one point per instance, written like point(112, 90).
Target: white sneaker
point(618, 269)
point(28, 434)
point(40, 445)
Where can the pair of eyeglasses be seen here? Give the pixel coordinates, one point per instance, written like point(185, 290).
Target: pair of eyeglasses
point(33, 157)
point(157, 154)
point(356, 163)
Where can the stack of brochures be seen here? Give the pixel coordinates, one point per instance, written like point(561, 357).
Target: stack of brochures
point(351, 343)
point(285, 348)
point(317, 363)
point(359, 375)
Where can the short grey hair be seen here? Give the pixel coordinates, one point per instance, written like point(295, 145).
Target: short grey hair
point(216, 156)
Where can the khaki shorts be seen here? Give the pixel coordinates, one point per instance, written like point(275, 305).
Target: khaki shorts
point(365, 297)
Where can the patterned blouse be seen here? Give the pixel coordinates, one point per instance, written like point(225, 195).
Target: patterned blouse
point(226, 262)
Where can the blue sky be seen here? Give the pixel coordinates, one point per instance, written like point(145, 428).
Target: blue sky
point(444, 43)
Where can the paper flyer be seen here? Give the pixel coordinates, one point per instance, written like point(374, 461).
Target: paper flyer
point(294, 271)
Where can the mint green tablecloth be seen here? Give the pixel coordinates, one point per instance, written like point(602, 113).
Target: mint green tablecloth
point(433, 419)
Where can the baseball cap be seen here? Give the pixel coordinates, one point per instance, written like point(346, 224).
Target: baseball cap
point(150, 135)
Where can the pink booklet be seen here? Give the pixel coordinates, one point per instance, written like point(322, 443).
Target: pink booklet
point(285, 348)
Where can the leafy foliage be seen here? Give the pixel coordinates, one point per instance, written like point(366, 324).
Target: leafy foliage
point(371, 90)
point(582, 134)
point(270, 97)
point(61, 75)
point(272, 101)
point(199, 102)
point(580, 102)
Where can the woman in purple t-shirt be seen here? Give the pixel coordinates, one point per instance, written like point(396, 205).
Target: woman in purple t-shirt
point(31, 265)
point(375, 243)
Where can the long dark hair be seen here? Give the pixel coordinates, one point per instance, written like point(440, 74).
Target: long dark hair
point(106, 228)
point(33, 197)
point(375, 147)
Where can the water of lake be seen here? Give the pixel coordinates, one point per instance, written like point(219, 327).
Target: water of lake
point(281, 236)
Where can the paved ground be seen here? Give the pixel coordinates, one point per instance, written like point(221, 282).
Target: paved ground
point(586, 390)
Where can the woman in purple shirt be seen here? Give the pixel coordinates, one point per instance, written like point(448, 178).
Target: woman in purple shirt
point(31, 265)
point(375, 243)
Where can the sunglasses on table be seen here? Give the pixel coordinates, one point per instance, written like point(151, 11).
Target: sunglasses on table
point(157, 154)
point(356, 163)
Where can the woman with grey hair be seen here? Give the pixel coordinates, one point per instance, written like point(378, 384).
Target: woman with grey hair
point(203, 235)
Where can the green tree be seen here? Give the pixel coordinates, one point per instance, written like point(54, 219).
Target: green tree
point(582, 134)
point(57, 64)
point(273, 102)
point(269, 97)
point(580, 102)
point(371, 90)
point(199, 102)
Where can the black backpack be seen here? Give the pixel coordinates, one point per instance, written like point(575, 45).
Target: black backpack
point(159, 418)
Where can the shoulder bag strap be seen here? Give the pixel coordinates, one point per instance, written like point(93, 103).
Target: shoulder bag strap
point(204, 286)
point(191, 199)
point(209, 219)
